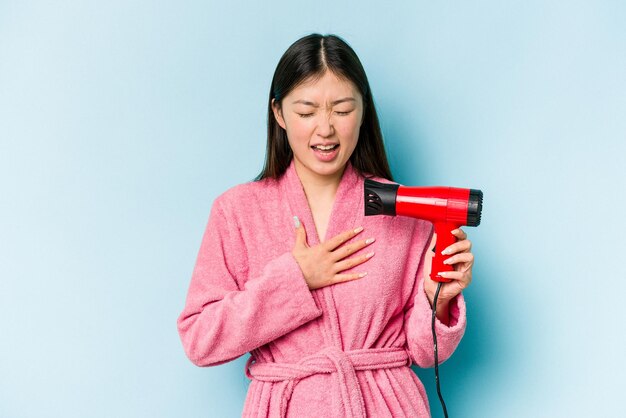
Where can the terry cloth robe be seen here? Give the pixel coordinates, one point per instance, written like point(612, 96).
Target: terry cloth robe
point(340, 351)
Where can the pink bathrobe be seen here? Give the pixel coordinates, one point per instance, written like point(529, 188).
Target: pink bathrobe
point(339, 351)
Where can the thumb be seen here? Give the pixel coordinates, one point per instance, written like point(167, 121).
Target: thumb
point(300, 233)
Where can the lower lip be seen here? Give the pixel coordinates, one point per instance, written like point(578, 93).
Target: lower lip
point(326, 156)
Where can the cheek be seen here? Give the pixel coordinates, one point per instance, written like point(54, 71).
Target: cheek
point(295, 126)
point(299, 131)
point(348, 128)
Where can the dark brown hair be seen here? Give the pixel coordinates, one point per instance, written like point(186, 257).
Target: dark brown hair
point(309, 58)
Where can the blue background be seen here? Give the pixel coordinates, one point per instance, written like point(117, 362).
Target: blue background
point(121, 121)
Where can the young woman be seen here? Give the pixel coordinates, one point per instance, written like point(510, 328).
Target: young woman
point(334, 307)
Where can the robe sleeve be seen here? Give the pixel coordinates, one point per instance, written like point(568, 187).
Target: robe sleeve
point(224, 318)
point(418, 321)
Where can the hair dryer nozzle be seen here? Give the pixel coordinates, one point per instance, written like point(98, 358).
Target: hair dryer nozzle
point(474, 207)
point(380, 198)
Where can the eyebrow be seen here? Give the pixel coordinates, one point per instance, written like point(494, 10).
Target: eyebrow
point(342, 100)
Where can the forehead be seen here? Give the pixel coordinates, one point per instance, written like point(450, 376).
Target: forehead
point(327, 86)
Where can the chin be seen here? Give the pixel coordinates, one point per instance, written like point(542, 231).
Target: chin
point(320, 168)
point(327, 169)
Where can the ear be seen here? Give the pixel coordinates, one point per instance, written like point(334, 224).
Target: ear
point(278, 114)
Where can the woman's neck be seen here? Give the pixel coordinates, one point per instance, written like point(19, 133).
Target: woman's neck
point(319, 187)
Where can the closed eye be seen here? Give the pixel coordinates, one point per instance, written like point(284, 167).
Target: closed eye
point(344, 113)
point(305, 115)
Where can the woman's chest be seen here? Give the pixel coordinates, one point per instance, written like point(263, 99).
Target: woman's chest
point(391, 272)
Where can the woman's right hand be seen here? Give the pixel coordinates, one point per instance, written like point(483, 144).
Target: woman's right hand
point(322, 264)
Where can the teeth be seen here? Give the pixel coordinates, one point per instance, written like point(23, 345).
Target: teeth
point(324, 148)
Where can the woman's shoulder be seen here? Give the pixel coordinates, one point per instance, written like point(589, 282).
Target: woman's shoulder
point(369, 176)
point(382, 180)
point(241, 195)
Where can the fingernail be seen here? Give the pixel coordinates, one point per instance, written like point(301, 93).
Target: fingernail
point(296, 222)
point(368, 255)
point(362, 274)
point(359, 229)
point(370, 240)
point(454, 231)
point(447, 261)
point(446, 251)
point(443, 273)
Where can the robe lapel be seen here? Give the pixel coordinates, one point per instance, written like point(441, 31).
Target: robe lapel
point(347, 208)
point(347, 213)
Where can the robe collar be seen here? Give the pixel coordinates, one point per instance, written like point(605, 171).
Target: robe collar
point(347, 211)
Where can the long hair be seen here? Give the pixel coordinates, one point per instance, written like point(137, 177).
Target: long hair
point(309, 58)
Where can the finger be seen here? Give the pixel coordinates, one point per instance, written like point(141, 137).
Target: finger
point(461, 278)
point(346, 277)
point(354, 261)
point(460, 258)
point(349, 249)
point(300, 233)
point(459, 246)
point(339, 239)
point(459, 233)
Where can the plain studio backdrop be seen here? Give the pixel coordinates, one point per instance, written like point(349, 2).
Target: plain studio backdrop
point(121, 121)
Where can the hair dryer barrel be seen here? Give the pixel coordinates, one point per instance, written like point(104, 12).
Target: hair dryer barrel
point(435, 204)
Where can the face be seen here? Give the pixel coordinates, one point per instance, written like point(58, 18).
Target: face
point(322, 118)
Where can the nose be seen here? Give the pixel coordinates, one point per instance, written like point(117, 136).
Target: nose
point(324, 126)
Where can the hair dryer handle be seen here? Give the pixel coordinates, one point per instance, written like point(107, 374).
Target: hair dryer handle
point(444, 239)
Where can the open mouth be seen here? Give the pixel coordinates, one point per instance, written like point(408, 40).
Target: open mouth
point(325, 148)
point(326, 153)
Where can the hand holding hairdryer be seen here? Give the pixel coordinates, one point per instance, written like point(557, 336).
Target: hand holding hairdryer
point(447, 208)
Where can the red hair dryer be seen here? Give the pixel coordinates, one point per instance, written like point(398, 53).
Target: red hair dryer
point(446, 207)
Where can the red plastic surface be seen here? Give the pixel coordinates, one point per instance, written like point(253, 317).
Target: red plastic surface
point(445, 207)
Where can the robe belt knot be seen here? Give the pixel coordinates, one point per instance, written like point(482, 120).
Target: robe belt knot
point(327, 360)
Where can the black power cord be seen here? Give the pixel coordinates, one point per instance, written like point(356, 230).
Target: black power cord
point(443, 404)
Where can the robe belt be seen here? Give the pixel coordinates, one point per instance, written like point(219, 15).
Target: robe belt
point(328, 360)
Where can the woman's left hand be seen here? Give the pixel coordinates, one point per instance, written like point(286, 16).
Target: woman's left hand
point(463, 260)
